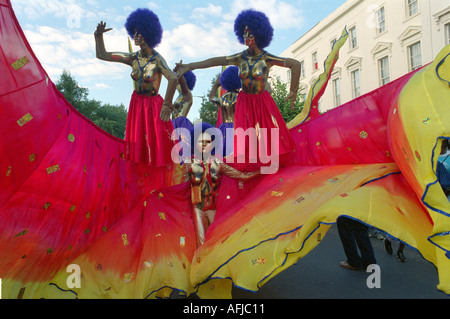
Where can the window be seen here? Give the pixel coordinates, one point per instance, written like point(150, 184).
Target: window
point(302, 69)
point(383, 70)
point(337, 92)
point(315, 61)
point(381, 20)
point(289, 75)
point(414, 56)
point(447, 33)
point(412, 7)
point(353, 40)
point(356, 85)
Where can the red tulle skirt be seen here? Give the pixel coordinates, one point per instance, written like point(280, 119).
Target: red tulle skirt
point(259, 112)
point(147, 137)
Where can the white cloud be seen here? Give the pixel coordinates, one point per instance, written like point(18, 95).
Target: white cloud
point(153, 5)
point(75, 51)
point(193, 42)
point(102, 86)
point(201, 13)
point(281, 14)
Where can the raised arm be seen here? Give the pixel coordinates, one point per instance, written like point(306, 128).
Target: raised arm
point(213, 93)
point(171, 88)
point(100, 50)
point(187, 94)
point(208, 63)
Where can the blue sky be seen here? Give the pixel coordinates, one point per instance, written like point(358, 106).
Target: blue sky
point(61, 35)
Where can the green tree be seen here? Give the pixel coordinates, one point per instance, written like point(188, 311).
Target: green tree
point(73, 92)
point(111, 118)
point(115, 115)
point(208, 110)
point(279, 94)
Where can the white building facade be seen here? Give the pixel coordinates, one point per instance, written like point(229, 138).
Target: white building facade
point(387, 39)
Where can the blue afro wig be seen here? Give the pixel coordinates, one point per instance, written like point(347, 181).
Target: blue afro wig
point(258, 23)
point(229, 79)
point(190, 79)
point(146, 23)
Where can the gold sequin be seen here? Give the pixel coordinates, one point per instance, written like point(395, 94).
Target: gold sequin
point(71, 138)
point(72, 208)
point(148, 264)
point(182, 241)
point(277, 194)
point(363, 134)
point(125, 239)
point(426, 120)
point(52, 169)
point(23, 232)
point(50, 251)
point(259, 261)
point(128, 277)
point(8, 171)
point(47, 205)
point(24, 119)
point(32, 157)
point(162, 216)
point(418, 156)
point(298, 201)
point(20, 63)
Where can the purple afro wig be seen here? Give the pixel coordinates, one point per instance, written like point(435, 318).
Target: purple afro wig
point(258, 23)
point(229, 79)
point(146, 23)
point(190, 79)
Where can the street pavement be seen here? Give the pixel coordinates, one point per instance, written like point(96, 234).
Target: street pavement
point(319, 276)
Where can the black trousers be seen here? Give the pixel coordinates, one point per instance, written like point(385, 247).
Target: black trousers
point(354, 235)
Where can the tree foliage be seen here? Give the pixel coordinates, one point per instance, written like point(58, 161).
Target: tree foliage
point(279, 94)
point(208, 110)
point(111, 118)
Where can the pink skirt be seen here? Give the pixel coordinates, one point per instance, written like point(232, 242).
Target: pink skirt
point(259, 112)
point(147, 137)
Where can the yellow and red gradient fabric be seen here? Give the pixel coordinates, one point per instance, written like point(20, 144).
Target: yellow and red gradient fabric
point(68, 196)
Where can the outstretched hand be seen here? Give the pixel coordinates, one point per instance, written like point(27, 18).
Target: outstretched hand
point(180, 69)
point(166, 111)
point(101, 28)
point(291, 96)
